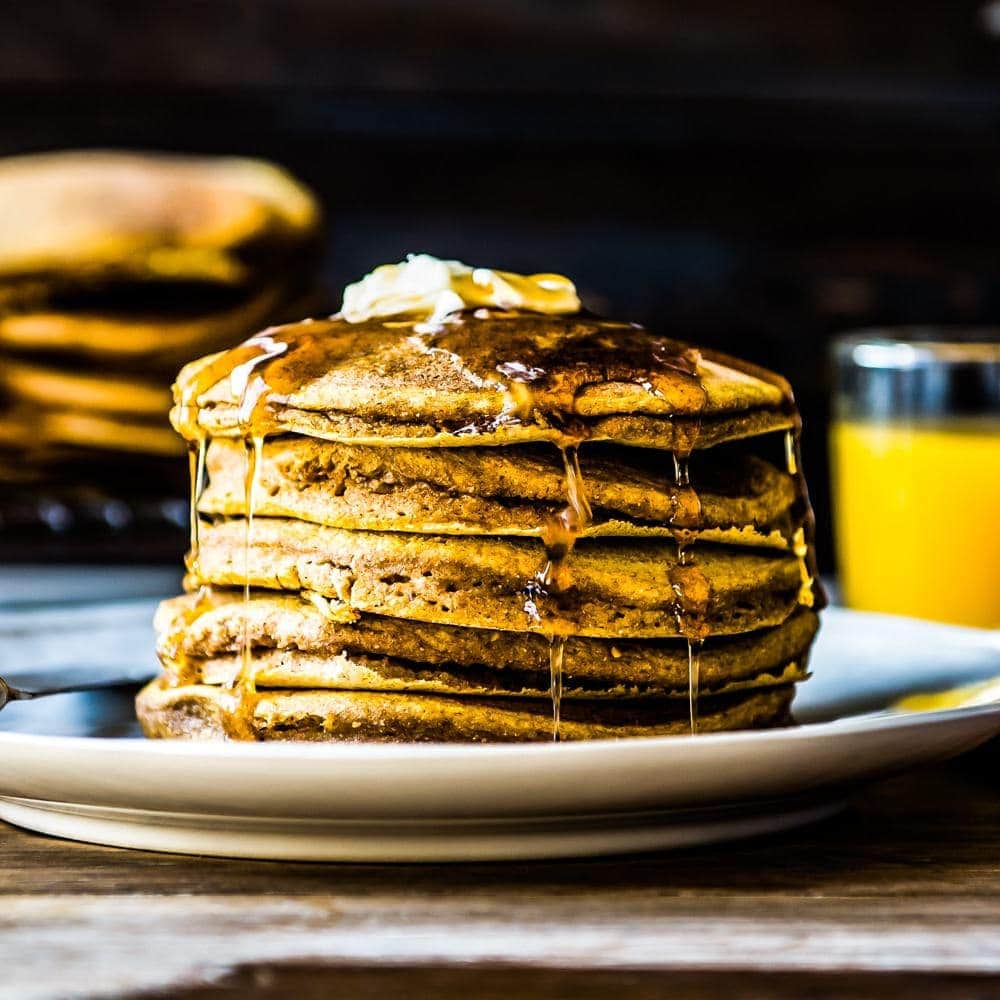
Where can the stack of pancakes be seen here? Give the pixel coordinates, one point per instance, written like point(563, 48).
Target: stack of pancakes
point(115, 268)
point(499, 525)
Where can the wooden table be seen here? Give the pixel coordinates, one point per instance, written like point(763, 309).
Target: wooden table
point(900, 896)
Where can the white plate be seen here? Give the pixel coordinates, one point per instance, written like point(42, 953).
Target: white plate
point(69, 766)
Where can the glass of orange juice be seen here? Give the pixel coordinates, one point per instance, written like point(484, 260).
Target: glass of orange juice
point(915, 446)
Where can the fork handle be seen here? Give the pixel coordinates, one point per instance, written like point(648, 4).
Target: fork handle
point(6, 694)
point(9, 693)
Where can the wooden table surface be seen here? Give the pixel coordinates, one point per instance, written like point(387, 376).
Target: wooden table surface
point(899, 896)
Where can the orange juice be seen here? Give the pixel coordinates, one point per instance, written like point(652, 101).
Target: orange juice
point(917, 512)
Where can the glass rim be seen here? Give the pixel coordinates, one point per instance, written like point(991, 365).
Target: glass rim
point(914, 346)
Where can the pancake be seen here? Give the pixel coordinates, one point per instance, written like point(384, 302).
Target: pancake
point(24, 293)
point(638, 431)
point(17, 427)
point(136, 262)
point(483, 378)
point(497, 491)
point(297, 644)
point(357, 672)
point(106, 433)
point(621, 588)
point(72, 390)
point(97, 215)
point(205, 712)
point(118, 336)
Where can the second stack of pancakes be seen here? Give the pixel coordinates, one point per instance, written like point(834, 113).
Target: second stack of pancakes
point(506, 520)
point(115, 268)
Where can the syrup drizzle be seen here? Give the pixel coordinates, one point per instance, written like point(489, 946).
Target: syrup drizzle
point(170, 649)
point(691, 598)
point(810, 591)
point(254, 395)
point(691, 589)
point(245, 680)
point(694, 680)
point(557, 653)
point(791, 452)
point(256, 400)
point(550, 601)
point(196, 463)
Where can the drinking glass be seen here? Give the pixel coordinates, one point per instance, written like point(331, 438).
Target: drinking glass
point(915, 447)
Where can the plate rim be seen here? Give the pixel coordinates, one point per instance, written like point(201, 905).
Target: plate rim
point(864, 722)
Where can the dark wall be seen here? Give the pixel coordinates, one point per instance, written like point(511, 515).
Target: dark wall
point(755, 177)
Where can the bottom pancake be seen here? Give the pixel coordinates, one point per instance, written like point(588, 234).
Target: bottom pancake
point(211, 713)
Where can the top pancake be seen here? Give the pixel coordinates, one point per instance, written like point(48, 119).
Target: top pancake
point(483, 377)
point(99, 214)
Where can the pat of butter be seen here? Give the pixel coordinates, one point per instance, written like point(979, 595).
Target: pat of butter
point(432, 289)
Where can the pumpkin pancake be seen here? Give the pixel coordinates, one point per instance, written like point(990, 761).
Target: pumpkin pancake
point(17, 427)
point(621, 587)
point(296, 643)
point(498, 491)
point(205, 712)
point(633, 431)
point(100, 215)
point(106, 433)
point(487, 377)
point(110, 335)
point(92, 392)
point(357, 672)
point(57, 437)
point(25, 293)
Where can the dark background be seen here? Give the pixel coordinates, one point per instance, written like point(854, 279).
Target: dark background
point(755, 177)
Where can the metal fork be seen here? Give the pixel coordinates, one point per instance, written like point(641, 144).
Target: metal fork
point(9, 693)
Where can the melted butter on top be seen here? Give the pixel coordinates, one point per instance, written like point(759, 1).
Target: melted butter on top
point(432, 289)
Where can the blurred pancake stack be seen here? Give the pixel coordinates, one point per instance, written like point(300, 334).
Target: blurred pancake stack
point(465, 509)
point(116, 268)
